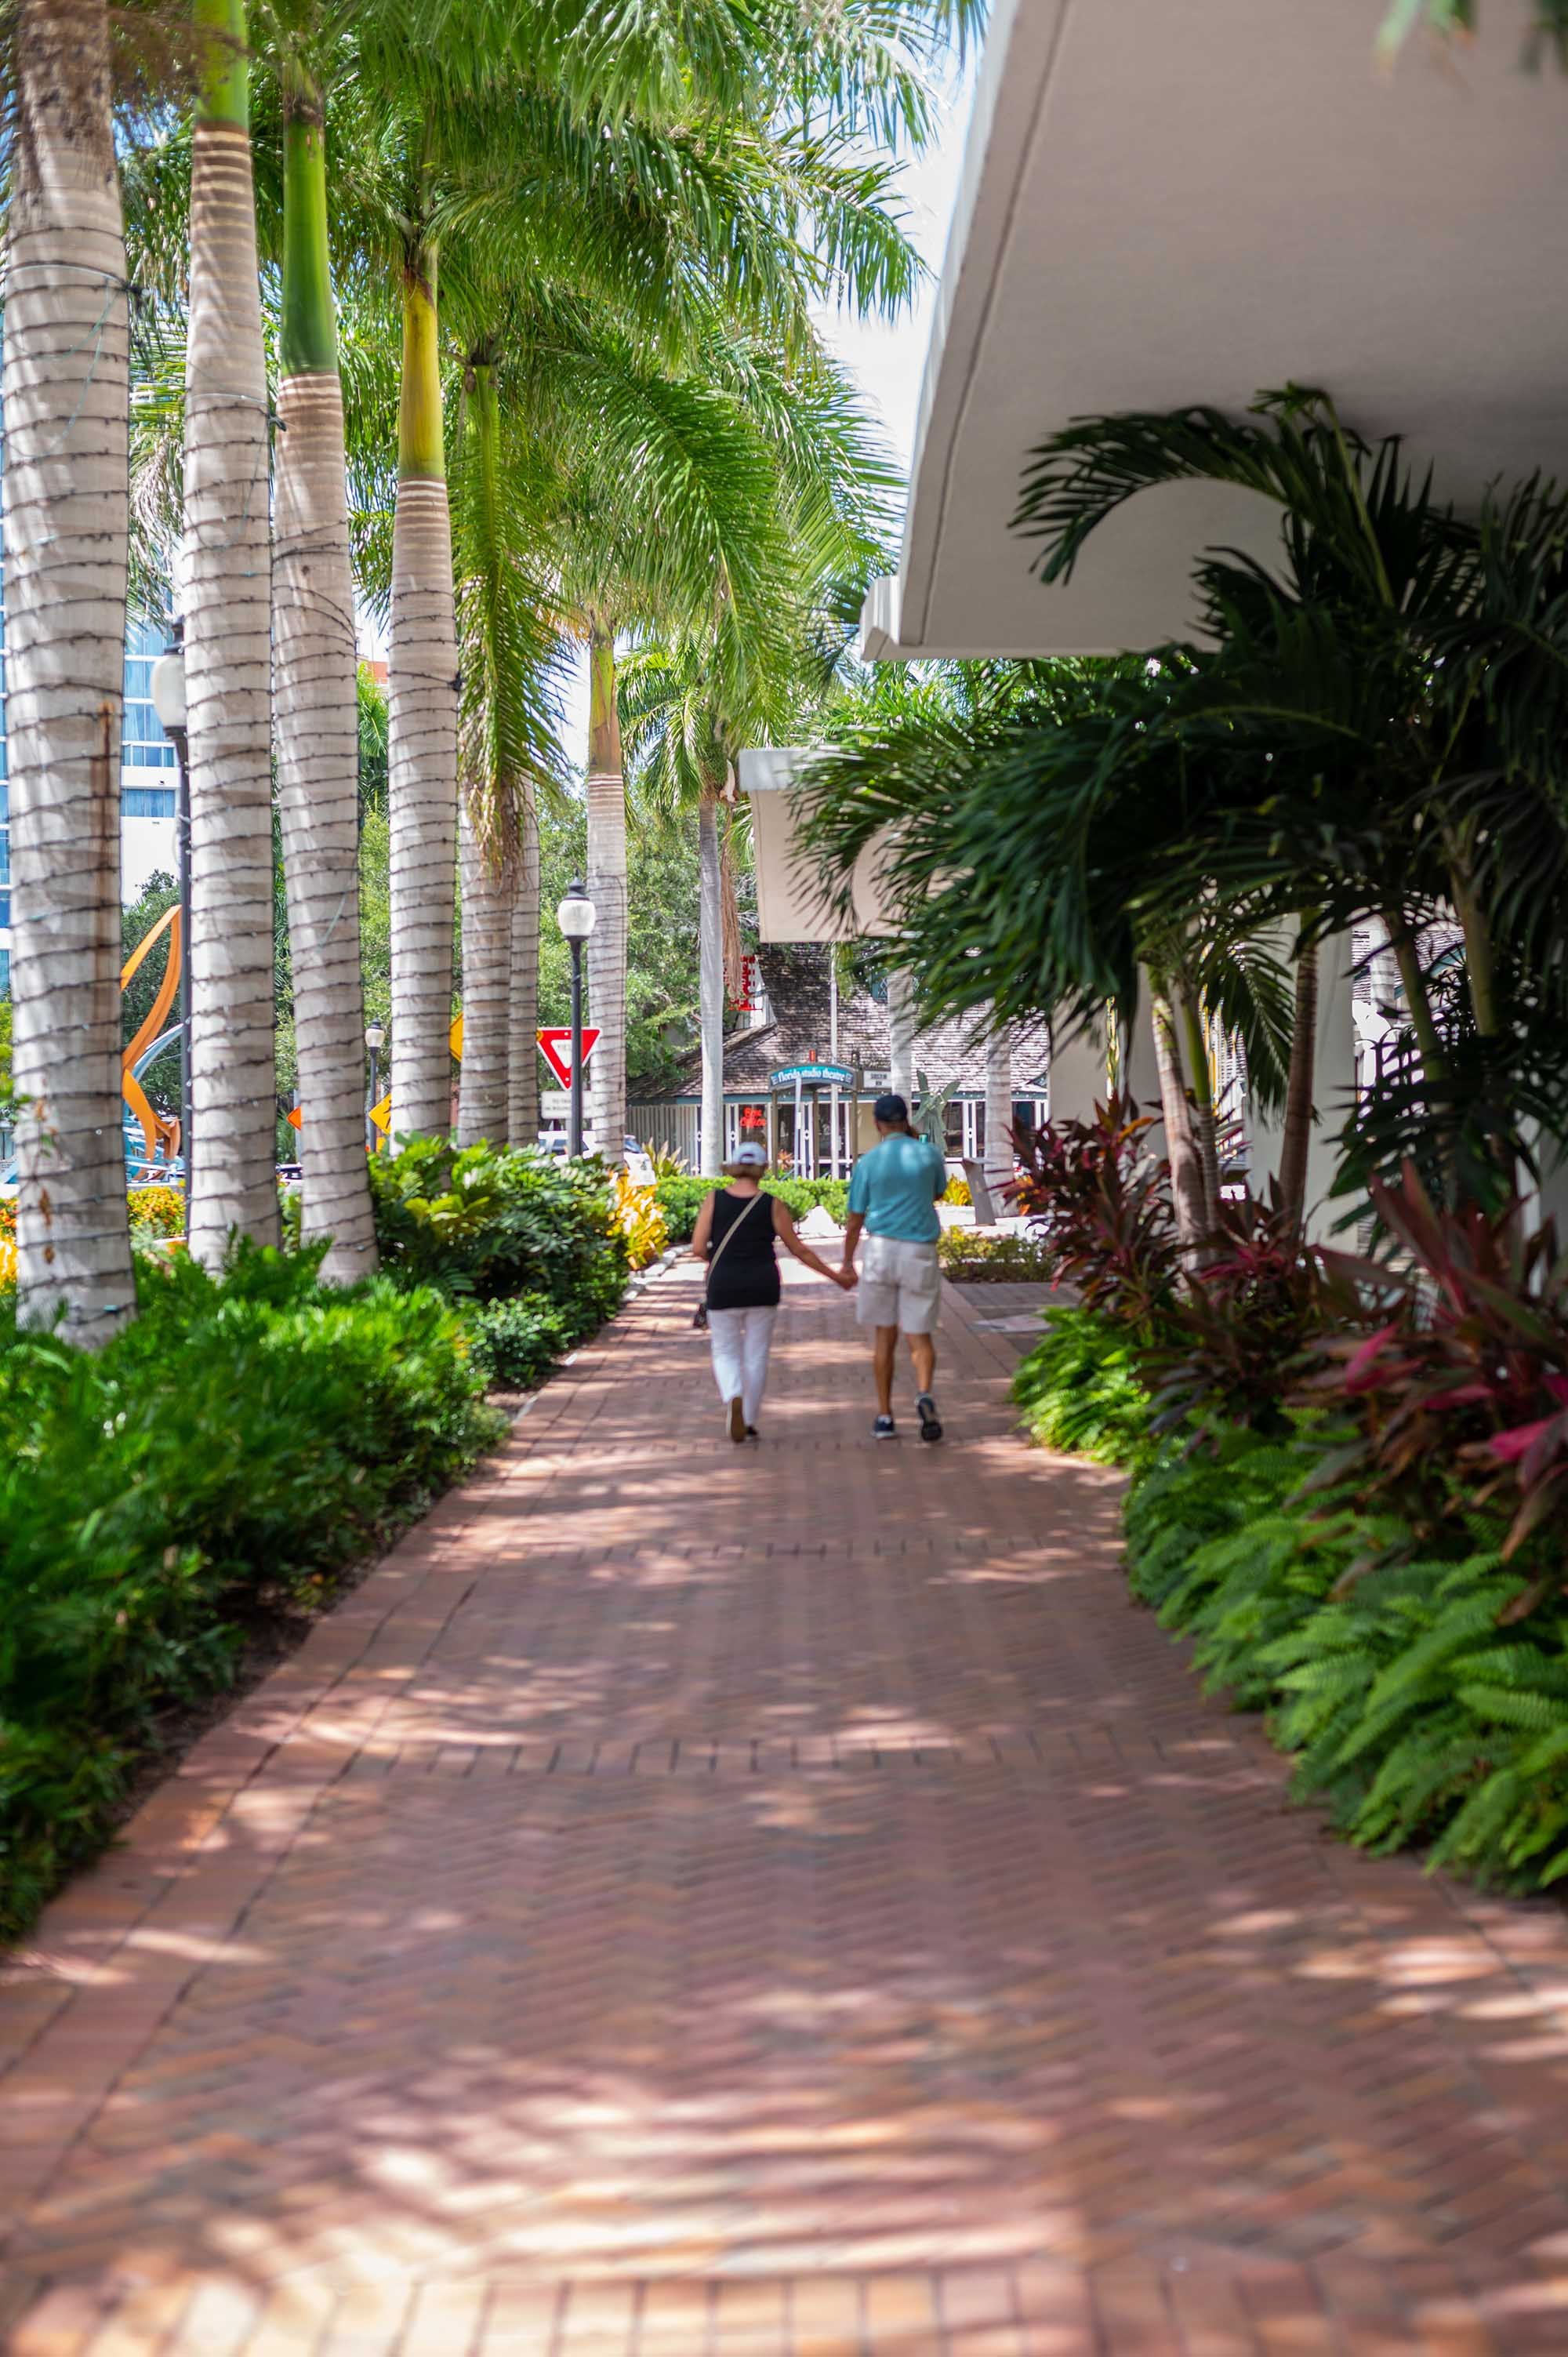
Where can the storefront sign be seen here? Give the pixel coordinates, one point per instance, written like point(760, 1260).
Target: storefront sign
point(825, 1076)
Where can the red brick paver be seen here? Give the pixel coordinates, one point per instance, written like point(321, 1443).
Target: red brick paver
point(694, 1901)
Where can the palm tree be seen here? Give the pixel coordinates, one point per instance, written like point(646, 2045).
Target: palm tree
point(1029, 816)
point(227, 601)
point(683, 758)
point(654, 227)
point(507, 756)
point(65, 394)
point(671, 512)
point(317, 706)
point(606, 890)
point(1375, 688)
point(422, 687)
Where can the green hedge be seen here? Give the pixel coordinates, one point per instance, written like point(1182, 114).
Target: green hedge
point(681, 1198)
point(971, 1259)
point(228, 1453)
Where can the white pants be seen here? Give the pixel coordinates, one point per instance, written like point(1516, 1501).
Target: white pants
point(741, 1341)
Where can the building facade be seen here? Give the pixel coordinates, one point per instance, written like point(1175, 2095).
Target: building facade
point(821, 1134)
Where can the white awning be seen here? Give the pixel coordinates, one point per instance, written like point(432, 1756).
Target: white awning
point(1167, 201)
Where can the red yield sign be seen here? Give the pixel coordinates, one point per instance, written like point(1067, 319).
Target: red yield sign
point(556, 1046)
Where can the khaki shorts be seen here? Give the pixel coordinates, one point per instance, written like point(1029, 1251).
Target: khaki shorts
point(900, 1285)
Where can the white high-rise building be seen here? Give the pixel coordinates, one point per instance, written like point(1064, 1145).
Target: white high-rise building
point(148, 779)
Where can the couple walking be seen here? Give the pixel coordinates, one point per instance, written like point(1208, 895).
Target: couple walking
point(893, 1199)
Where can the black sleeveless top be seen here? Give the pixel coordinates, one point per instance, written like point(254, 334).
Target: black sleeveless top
point(747, 1276)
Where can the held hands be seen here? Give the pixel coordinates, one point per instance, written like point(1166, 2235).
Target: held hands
point(848, 1277)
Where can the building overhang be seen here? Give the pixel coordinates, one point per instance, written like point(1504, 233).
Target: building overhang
point(1193, 200)
point(791, 905)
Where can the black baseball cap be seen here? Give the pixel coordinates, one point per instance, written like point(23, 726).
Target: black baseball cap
point(890, 1108)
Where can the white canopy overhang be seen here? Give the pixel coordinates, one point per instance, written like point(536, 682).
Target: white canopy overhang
point(1168, 201)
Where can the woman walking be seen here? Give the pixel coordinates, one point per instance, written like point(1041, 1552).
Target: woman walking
point(736, 1233)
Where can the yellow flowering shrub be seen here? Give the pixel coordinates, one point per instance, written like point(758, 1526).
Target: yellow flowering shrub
point(156, 1211)
point(637, 1214)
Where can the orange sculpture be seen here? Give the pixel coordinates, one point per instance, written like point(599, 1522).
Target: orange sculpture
point(162, 1136)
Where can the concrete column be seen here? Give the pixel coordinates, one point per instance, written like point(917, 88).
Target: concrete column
point(1078, 1074)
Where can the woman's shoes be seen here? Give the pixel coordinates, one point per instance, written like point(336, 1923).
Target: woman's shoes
point(736, 1420)
point(752, 1432)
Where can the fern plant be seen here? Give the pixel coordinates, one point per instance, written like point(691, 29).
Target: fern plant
point(1080, 1391)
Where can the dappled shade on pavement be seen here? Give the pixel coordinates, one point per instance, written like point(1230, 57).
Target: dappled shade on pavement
point(695, 1899)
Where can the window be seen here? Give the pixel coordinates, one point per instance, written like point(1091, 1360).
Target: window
point(744, 1124)
point(147, 802)
point(143, 744)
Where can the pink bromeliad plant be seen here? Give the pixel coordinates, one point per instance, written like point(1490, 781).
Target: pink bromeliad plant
point(1463, 1385)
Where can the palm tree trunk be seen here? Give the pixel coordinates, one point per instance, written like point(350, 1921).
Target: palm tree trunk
point(1202, 1103)
point(711, 986)
point(227, 604)
point(1481, 982)
point(65, 401)
point(1428, 1038)
point(606, 890)
point(1188, 1196)
point(522, 1063)
point(422, 737)
point(316, 704)
point(1296, 1142)
point(998, 1156)
point(489, 883)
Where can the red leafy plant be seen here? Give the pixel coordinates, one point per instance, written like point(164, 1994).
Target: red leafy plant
point(1462, 1387)
point(1237, 1336)
point(1101, 1208)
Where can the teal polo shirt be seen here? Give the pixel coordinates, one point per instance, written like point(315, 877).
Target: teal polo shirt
point(895, 1190)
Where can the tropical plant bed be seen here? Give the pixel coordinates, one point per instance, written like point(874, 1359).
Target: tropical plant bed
point(213, 1470)
point(176, 1509)
point(971, 1259)
point(1345, 1490)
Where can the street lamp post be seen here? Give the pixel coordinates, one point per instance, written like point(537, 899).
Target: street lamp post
point(167, 686)
point(375, 1040)
point(576, 916)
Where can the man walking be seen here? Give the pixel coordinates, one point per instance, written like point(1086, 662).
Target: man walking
point(893, 1196)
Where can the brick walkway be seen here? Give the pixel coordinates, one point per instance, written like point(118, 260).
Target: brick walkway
point(692, 1901)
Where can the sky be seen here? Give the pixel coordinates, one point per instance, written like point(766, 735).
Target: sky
point(887, 358)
